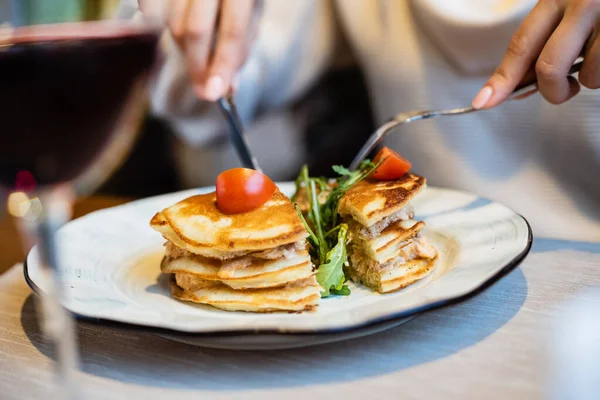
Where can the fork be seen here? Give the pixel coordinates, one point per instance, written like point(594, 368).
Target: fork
point(524, 89)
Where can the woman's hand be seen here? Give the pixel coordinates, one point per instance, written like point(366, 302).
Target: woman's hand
point(215, 36)
point(547, 43)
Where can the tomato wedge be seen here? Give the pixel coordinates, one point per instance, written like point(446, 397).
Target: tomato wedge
point(392, 167)
point(241, 190)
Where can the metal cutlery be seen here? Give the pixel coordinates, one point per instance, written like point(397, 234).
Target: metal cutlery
point(236, 130)
point(523, 90)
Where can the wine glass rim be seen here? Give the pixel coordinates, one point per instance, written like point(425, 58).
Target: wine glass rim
point(78, 30)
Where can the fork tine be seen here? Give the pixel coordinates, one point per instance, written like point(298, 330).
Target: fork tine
point(400, 119)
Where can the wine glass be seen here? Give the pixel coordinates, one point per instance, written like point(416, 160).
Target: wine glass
point(72, 99)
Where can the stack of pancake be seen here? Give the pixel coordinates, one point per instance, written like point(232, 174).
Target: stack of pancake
point(255, 261)
point(387, 250)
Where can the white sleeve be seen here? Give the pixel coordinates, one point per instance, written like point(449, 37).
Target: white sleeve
point(294, 45)
point(472, 35)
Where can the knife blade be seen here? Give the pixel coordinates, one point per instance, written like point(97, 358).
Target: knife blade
point(236, 131)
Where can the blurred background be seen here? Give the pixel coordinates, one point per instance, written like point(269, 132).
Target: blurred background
point(333, 118)
point(331, 133)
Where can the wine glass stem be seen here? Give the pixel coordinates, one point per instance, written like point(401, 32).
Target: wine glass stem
point(57, 323)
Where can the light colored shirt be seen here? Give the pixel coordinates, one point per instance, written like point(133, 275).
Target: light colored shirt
point(541, 160)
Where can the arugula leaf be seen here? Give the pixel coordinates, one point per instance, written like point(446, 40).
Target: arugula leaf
point(315, 209)
point(312, 238)
point(341, 170)
point(330, 274)
point(327, 238)
point(344, 291)
point(323, 184)
point(368, 164)
point(299, 181)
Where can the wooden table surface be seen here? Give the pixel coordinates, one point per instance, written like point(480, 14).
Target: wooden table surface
point(494, 346)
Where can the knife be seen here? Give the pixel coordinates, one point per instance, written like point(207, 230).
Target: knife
point(236, 131)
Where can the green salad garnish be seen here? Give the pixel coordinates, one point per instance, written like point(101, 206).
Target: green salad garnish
point(328, 237)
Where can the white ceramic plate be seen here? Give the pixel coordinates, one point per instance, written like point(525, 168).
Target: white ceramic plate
point(110, 262)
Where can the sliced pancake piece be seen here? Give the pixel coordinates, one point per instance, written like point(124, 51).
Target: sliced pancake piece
point(303, 296)
point(192, 282)
point(188, 280)
point(198, 226)
point(369, 202)
point(183, 264)
point(391, 242)
point(393, 279)
point(259, 274)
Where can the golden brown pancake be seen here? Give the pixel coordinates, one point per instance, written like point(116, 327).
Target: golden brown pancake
point(390, 241)
point(295, 297)
point(198, 226)
point(190, 282)
point(369, 201)
point(255, 261)
point(257, 275)
point(387, 252)
point(386, 281)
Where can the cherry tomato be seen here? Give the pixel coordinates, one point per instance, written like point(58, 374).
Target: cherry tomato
point(241, 190)
point(393, 166)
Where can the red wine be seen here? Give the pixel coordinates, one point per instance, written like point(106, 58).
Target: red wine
point(64, 95)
